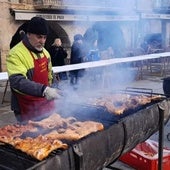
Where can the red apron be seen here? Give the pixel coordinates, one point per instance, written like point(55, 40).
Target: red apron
point(31, 106)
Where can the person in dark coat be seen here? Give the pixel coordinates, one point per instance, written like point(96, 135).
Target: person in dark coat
point(77, 56)
point(58, 56)
point(19, 35)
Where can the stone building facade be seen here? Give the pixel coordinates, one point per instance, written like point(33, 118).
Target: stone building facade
point(68, 20)
point(7, 28)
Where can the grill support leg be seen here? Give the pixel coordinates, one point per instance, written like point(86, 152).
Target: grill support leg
point(78, 157)
point(160, 140)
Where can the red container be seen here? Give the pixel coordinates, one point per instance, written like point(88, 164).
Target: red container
point(145, 156)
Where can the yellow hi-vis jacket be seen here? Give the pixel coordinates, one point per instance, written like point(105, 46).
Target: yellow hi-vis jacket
point(20, 68)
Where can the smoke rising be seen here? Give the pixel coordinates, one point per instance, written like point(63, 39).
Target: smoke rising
point(106, 38)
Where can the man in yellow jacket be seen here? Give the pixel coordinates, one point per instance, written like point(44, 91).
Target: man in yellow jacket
point(30, 74)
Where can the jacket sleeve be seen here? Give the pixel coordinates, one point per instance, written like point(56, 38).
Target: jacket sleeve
point(20, 71)
point(64, 52)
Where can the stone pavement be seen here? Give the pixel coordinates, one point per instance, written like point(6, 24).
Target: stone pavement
point(6, 115)
point(152, 82)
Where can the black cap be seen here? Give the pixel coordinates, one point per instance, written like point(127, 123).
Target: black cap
point(38, 25)
point(78, 37)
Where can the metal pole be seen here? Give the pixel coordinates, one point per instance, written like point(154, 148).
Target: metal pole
point(161, 136)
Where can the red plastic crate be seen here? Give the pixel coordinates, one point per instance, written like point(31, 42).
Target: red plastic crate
point(145, 156)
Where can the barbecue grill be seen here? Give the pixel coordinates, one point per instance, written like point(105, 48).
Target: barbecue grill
point(97, 150)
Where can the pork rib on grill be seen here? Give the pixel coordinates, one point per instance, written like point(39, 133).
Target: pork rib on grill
point(119, 103)
point(59, 128)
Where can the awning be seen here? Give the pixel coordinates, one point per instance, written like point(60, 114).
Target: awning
point(27, 15)
point(155, 16)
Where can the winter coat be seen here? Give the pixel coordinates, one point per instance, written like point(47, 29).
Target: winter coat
point(58, 55)
point(20, 68)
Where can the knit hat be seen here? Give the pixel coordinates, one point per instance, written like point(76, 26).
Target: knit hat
point(38, 25)
point(78, 37)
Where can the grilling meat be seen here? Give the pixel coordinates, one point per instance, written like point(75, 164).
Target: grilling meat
point(49, 133)
point(56, 127)
point(76, 131)
point(119, 103)
point(85, 128)
point(10, 132)
point(53, 121)
point(63, 134)
point(39, 147)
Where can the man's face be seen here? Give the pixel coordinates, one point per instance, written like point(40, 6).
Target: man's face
point(58, 42)
point(37, 41)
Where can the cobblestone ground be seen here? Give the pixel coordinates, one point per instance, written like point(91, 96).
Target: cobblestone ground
point(7, 116)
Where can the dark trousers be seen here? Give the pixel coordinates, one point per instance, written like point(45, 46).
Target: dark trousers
point(63, 76)
point(73, 79)
point(75, 75)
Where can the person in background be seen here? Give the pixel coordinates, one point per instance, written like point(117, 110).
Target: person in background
point(19, 34)
point(93, 53)
point(30, 74)
point(58, 55)
point(94, 74)
point(77, 56)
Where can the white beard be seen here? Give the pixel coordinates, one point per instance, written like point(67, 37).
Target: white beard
point(39, 49)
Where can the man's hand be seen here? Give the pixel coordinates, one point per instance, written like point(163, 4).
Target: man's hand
point(51, 93)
